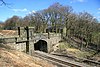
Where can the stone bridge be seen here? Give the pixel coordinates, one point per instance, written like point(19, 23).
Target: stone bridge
point(28, 41)
point(43, 43)
point(40, 42)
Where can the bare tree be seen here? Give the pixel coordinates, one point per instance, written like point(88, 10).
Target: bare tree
point(3, 2)
point(11, 22)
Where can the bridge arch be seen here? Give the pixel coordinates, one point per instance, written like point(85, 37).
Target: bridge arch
point(41, 45)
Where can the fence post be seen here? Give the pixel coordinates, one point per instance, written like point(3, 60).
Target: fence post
point(61, 31)
point(48, 35)
point(27, 42)
point(19, 31)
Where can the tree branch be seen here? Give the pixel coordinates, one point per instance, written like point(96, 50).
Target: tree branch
point(3, 3)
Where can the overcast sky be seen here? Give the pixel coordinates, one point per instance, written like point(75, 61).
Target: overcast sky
point(24, 7)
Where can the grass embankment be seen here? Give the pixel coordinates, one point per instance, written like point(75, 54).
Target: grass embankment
point(69, 50)
point(13, 58)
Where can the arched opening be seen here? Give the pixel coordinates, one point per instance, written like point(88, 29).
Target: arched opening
point(41, 45)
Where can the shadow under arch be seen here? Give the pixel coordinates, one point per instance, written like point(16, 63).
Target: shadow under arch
point(41, 45)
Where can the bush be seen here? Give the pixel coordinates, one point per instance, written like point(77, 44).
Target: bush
point(2, 41)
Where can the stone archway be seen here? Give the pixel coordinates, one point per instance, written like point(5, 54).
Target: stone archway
point(41, 45)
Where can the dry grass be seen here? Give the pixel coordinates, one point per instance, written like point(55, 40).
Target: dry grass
point(73, 51)
point(78, 53)
point(13, 58)
point(7, 32)
point(97, 57)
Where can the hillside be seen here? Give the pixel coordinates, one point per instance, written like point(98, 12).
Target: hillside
point(7, 33)
point(13, 58)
